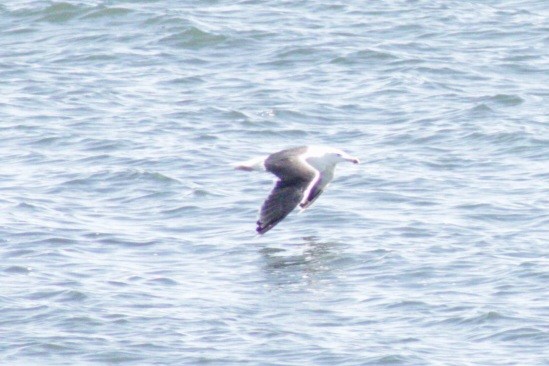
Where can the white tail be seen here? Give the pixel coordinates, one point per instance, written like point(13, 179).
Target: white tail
point(256, 164)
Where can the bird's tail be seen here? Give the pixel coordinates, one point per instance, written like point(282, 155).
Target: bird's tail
point(251, 165)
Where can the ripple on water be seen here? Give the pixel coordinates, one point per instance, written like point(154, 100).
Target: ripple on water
point(107, 12)
point(193, 38)
point(61, 12)
point(18, 270)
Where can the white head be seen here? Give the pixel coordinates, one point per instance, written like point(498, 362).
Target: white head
point(329, 155)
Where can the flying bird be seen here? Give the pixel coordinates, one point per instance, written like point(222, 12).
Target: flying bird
point(303, 174)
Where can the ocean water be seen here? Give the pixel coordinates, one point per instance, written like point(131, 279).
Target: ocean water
point(126, 238)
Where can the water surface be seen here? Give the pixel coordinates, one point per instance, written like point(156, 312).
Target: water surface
point(126, 237)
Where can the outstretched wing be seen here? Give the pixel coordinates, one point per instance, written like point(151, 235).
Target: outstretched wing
point(283, 199)
point(295, 178)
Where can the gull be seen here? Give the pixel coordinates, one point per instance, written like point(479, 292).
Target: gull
point(303, 174)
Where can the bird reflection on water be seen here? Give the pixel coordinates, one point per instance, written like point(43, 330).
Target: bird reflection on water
point(311, 265)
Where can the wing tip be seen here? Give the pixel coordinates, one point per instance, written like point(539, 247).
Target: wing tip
point(262, 228)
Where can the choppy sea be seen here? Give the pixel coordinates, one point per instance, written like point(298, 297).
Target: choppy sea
point(126, 238)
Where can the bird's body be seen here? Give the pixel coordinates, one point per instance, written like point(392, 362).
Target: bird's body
point(303, 174)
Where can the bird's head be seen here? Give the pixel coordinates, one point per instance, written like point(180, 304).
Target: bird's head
point(341, 156)
point(330, 156)
point(337, 156)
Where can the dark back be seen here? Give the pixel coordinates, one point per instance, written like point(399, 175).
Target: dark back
point(288, 167)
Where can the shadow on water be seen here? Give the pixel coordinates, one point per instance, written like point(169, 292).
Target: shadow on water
point(306, 262)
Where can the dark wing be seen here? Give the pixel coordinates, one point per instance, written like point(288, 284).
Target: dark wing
point(282, 200)
point(295, 177)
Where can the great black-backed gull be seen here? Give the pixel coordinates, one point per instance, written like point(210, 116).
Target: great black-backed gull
point(304, 172)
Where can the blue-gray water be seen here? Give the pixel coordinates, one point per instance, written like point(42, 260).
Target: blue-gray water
point(127, 238)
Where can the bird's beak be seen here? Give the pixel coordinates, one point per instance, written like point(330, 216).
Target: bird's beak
point(354, 160)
